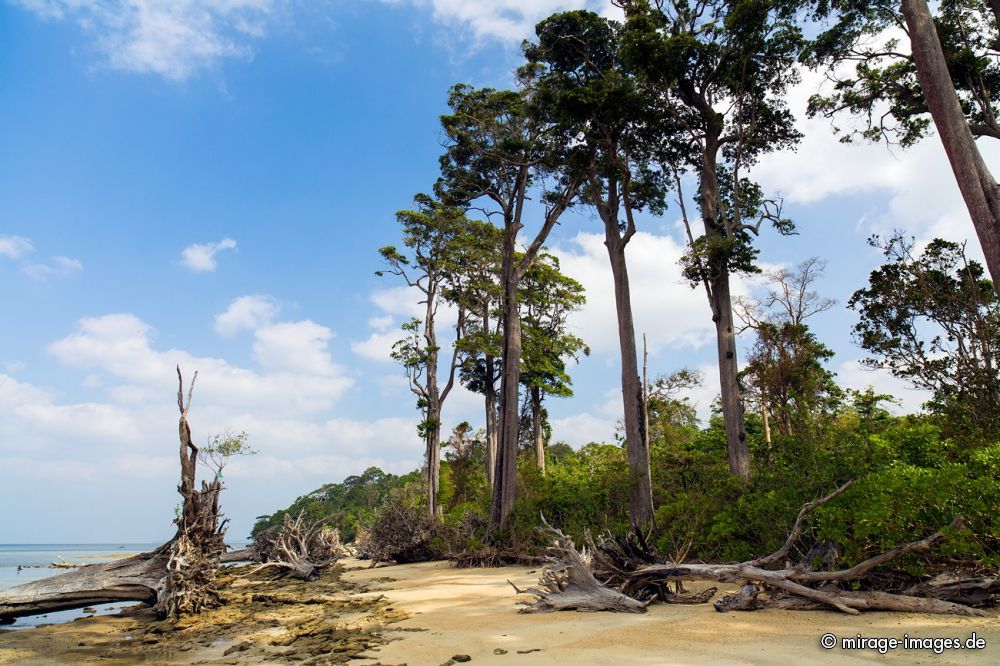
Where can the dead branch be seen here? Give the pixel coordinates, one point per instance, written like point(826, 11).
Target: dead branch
point(299, 548)
point(567, 583)
point(178, 578)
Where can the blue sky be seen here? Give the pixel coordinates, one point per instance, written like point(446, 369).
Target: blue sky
point(207, 182)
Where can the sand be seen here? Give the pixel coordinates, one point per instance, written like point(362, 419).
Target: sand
point(472, 612)
point(425, 614)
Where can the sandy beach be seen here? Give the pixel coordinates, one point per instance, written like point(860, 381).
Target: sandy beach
point(426, 614)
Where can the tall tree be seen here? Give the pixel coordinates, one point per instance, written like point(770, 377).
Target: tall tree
point(481, 345)
point(497, 152)
point(950, 73)
point(720, 69)
point(785, 372)
point(584, 86)
point(933, 319)
point(548, 298)
point(426, 264)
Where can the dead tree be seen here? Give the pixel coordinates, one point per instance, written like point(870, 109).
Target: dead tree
point(625, 567)
point(299, 548)
point(177, 578)
point(567, 583)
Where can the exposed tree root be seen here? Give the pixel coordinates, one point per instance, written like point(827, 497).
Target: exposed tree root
point(568, 584)
point(627, 564)
point(177, 578)
point(298, 548)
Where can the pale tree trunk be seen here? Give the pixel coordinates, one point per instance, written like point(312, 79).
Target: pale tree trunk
point(732, 405)
point(722, 314)
point(505, 476)
point(767, 424)
point(979, 189)
point(636, 449)
point(432, 421)
point(433, 457)
point(536, 427)
point(491, 422)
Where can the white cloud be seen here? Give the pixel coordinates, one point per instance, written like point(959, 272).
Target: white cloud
point(296, 382)
point(582, 429)
point(299, 347)
point(170, 38)
point(378, 346)
point(922, 196)
point(200, 257)
point(505, 20)
point(851, 374)
point(247, 313)
point(380, 323)
point(15, 246)
point(58, 267)
point(665, 307)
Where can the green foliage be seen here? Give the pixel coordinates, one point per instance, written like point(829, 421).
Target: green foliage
point(882, 90)
point(934, 320)
point(220, 448)
point(346, 505)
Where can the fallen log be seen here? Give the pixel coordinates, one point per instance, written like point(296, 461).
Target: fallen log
point(178, 578)
point(248, 554)
point(630, 566)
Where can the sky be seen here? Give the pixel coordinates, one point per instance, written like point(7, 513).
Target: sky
point(207, 183)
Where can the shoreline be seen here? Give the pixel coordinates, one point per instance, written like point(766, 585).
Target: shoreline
point(430, 612)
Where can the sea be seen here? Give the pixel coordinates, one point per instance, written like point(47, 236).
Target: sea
point(34, 560)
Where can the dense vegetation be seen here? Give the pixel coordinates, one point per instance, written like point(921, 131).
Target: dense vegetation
point(619, 118)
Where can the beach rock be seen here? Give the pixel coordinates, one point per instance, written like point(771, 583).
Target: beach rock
point(461, 658)
point(499, 651)
point(241, 647)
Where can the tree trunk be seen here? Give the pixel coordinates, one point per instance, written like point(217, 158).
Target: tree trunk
point(536, 427)
point(433, 457)
point(732, 404)
point(637, 452)
point(505, 476)
point(432, 420)
point(490, 392)
point(979, 189)
point(722, 314)
point(178, 578)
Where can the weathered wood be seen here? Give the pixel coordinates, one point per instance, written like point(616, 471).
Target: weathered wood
point(628, 564)
point(568, 584)
point(299, 548)
point(138, 578)
point(177, 578)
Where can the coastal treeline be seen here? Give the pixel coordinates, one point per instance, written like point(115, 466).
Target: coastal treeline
point(672, 108)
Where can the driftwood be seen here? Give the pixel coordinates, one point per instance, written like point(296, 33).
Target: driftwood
point(567, 583)
point(248, 554)
point(629, 566)
point(177, 578)
point(299, 548)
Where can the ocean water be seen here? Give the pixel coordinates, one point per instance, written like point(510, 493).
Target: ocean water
point(34, 560)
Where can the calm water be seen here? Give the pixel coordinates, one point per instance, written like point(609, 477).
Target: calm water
point(30, 556)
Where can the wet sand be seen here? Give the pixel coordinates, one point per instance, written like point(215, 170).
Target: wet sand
point(428, 613)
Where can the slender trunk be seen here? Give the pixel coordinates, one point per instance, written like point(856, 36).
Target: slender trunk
point(536, 427)
point(433, 457)
point(767, 424)
point(645, 390)
point(722, 315)
point(640, 483)
point(506, 464)
point(432, 420)
point(732, 404)
point(979, 189)
point(490, 392)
